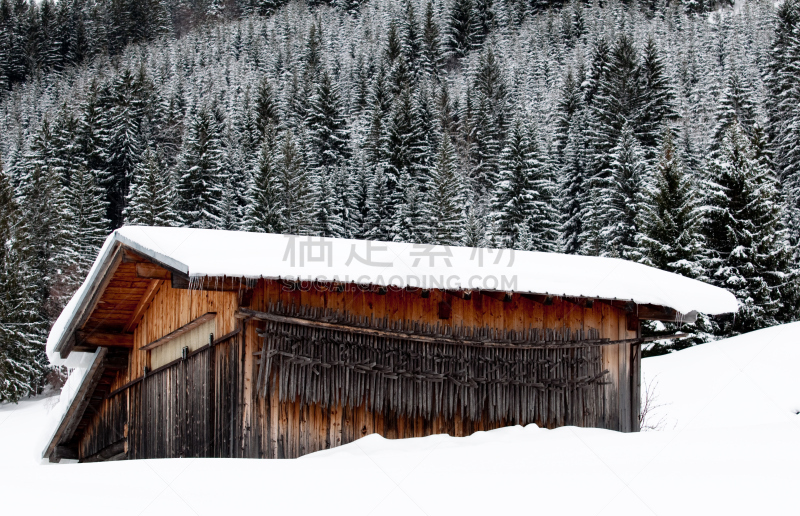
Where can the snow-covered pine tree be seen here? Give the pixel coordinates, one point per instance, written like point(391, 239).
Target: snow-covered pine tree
point(514, 197)
point(403, 141)
point(543, 223)
point(151, 200)
point(200, 172)
point(265, 209)
point(124, 120)
point(381, 211)
point(735, 106)
point(748, 252)
point(657, 103)
point(620, 202)
point(411, 38)
point(670, 221)
point(783, 90)
point(431, 42)
point(618, 101)
point(88, 226)
point(377, 139)
point(266, 108)
point(476, 227)
point(23, 363)
point(45, 231)
point(359, 192)
point(327, 129)
point(570, 102)
point(445, 211)
point(484, 21)
point(410, 224)
point(327, 220)
point(461, 28)
point(94, 134)
point(296, 188)
point(490, 121)
point(575, 197)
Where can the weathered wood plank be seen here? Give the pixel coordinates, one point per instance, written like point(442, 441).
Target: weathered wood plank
point(180, 331)
point(99, 338)
point(144, 304)
point(152, 271)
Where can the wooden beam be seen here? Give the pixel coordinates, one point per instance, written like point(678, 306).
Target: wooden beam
point(657, 313)
point(498, 295)
point(64, 452)
point(264, 316)
point(131, 256)
point(180, 331)
point(144, 302)
point(461, 294)
point(152, 271)
point(539, 298)
point(111, 452)
point(98, 338)
point(78, 406)
point(663, 313)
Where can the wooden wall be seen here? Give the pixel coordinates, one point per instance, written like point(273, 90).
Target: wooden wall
point(207, 405)
point(291, 429)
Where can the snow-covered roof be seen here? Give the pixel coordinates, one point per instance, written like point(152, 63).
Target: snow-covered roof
point(203, 252)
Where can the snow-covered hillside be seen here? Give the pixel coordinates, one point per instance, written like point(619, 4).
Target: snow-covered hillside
point(730, 447)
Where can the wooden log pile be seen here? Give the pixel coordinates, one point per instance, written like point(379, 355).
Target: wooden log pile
point(417, 370)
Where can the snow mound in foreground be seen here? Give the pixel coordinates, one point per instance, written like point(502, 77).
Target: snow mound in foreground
point(733, 451)
point(751, 379)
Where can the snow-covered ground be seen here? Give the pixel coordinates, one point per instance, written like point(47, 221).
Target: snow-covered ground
point(730, 445)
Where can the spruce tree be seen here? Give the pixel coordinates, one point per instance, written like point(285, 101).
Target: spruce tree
point(152, 194)
point(88, 226)
point(735, 106)
point(461, 28)
point(445, 198)
point(266, 108)
point(514, 198)
point(621, 201)
point(23, 363)
point(657, 102)
point(359, 192)
point(327, 128)
point(618, 101)
point(489, 121)
point(411, 37)
point(200, 171)
point(265, 209)
point(124, 121)
point(670, 221)
point(575, 188)
point(410, 224)
point(380, 208)
point(431, 42)
point(748, 249)
point(327, 220)
point(45, 230)
point(296, 187)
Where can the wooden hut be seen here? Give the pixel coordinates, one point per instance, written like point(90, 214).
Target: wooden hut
point(206, 343)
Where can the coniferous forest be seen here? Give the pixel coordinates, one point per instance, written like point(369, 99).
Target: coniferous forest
point(665, 132)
